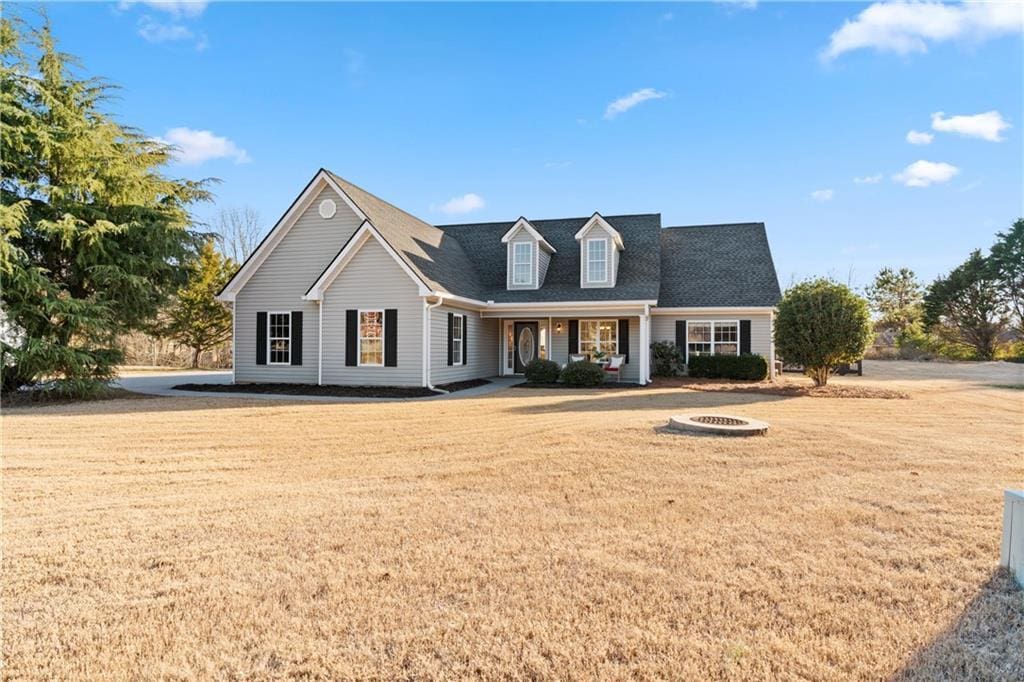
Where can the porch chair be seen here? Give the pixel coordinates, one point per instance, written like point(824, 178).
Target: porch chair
point(614, 366)
point(576, 357)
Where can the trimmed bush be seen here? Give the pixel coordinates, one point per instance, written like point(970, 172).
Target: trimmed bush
point(541, 371)
point(667, 359)
point(583, 373)
point(747, 367)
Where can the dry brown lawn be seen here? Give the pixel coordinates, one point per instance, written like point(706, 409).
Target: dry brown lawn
point(520, 535)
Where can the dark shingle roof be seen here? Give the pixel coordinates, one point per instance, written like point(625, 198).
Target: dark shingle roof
point(717, 265)
point(437, 258)
point(639, 266)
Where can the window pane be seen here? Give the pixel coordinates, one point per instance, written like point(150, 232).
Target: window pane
point(371, 341)
point(597, 260)
point(522, 263)
point(726, 349)
point(726, 332)
point(698, 332)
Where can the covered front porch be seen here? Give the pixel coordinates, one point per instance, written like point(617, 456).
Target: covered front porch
point(554, 334)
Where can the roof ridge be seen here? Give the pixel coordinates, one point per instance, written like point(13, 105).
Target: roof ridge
point(746, 224)
point(549, 220)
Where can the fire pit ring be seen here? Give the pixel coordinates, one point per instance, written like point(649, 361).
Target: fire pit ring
point(718, 424)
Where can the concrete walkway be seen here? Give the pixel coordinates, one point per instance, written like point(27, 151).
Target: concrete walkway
point(161, 383)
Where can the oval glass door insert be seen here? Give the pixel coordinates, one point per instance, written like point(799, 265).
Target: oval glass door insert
point(526, 345)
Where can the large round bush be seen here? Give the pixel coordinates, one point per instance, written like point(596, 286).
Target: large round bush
point(821, 324)
point(539, 371)
point(583, 374)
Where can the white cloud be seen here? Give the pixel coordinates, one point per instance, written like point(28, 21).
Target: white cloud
point(464, 204)
point(868, 179)
point(155, 32)
point(924, 173)
point(905, 27)
point(176, 8)
point(742, 4)
point(197, 146)
point(916, 137)
point(987, 126)
point(624, 104)
point(823, 195)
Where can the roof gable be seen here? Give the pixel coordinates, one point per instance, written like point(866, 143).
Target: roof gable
point(524, 225)
point(598, 222)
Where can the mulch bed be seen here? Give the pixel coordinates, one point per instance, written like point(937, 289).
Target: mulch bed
point(330, 390)
point(782, 387)
point(608, 384)
point(42, 398)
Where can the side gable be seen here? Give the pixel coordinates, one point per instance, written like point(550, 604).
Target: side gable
point(366, 233)
point(304, 205)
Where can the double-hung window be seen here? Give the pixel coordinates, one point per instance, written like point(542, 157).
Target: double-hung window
point(597, 260)
point(279, 338)
point(599, 336)
point(457, 332)
point(718, 337)
point(522, 263)
point(371, 338)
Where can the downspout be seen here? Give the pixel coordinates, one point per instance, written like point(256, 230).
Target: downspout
point(645, 335)
point(427, 308)
point(320, 343)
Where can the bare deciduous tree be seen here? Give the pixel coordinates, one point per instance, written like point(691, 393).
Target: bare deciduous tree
point(239, 230)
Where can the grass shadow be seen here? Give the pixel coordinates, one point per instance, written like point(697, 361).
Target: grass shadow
point(644, 400)
point(986, 642)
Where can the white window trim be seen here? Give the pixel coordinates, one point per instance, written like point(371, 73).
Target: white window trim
point(599, 320)
point(530, 262)
point(270, 338)
point(713, 343)
point(461, 321)
point(590, 260)
point(359, 337)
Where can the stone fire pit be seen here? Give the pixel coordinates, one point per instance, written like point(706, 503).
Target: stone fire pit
point(717, 424)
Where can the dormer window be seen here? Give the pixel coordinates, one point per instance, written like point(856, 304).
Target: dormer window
point(600, 245)
point(597, 261)
point(522, 263)
point(529, 255)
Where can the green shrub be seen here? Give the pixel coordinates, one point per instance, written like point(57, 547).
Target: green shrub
point(821, 324)
point(583, 373)
point(541, 371)
point(667, 360)
point(747, 367)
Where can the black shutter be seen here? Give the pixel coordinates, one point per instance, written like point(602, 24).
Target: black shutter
point(465, 335)
point(261, 338)
point(744, 336)
point(391, 337)
point(451, 332)
point(624, 338)
point(297, 337)
point(351, 338)
point(574, 337)
point(681, 336)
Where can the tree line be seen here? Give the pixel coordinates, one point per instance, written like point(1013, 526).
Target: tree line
point(976, 311)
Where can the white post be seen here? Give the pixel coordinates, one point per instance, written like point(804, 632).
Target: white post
point(644, 352)
point(1012, 552)
point(320, 342)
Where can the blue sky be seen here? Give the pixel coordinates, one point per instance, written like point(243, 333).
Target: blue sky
point(725, 112)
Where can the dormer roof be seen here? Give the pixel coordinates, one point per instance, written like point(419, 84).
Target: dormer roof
point(598, 220)
point(524, 224)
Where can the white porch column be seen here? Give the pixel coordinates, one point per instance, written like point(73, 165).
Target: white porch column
point(645, 352)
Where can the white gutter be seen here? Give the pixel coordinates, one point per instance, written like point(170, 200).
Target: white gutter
point(427, 308)
point(320, 344)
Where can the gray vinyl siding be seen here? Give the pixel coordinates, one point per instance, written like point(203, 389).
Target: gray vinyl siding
point(483, 347)
point(543, 261)
point(663, 328)
point(279, 284)
point(521, 237)
point(372, 280)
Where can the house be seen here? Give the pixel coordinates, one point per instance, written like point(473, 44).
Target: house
point(348, 289)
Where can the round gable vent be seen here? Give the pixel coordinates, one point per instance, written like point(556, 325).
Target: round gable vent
point(328, 208)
